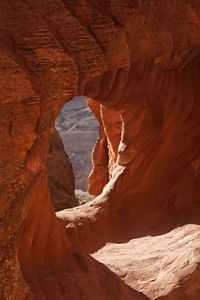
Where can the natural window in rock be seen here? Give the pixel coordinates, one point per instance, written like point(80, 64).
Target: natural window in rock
point(78, 129)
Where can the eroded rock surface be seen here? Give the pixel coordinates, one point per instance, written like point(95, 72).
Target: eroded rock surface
point(60, 175)
point(157, 265)
point(138, 62)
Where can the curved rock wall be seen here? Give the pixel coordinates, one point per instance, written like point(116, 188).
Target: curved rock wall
point(157, 148)
point(139, 60)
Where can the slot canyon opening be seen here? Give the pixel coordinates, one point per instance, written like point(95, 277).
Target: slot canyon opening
point(78, 129)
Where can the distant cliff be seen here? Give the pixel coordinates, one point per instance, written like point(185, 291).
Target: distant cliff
point(78, 129)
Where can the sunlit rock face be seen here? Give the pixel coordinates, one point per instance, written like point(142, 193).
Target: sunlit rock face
point(138, 64)
point(78, 128)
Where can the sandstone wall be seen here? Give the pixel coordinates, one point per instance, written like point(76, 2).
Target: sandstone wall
point(60, 175)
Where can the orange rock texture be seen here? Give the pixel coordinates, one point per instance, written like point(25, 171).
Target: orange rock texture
point(138, 62)
point(60, 175)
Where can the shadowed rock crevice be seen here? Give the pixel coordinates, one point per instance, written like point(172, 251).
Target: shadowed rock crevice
point(60, 175)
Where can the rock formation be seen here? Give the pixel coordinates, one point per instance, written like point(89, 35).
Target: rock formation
point(78, 128)
point(83, 197)
point(60, 175)
point(138, 63)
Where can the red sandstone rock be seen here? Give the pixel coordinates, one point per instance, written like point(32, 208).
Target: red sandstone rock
point(60, 175)
point(140, 61)
point(99, 175)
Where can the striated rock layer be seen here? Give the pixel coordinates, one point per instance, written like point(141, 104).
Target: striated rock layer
point(138, 62)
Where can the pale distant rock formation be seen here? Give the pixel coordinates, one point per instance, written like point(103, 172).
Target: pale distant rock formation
point(78, 129)
point(83, 197)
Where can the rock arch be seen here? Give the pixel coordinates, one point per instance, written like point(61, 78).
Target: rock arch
point(139, 59)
